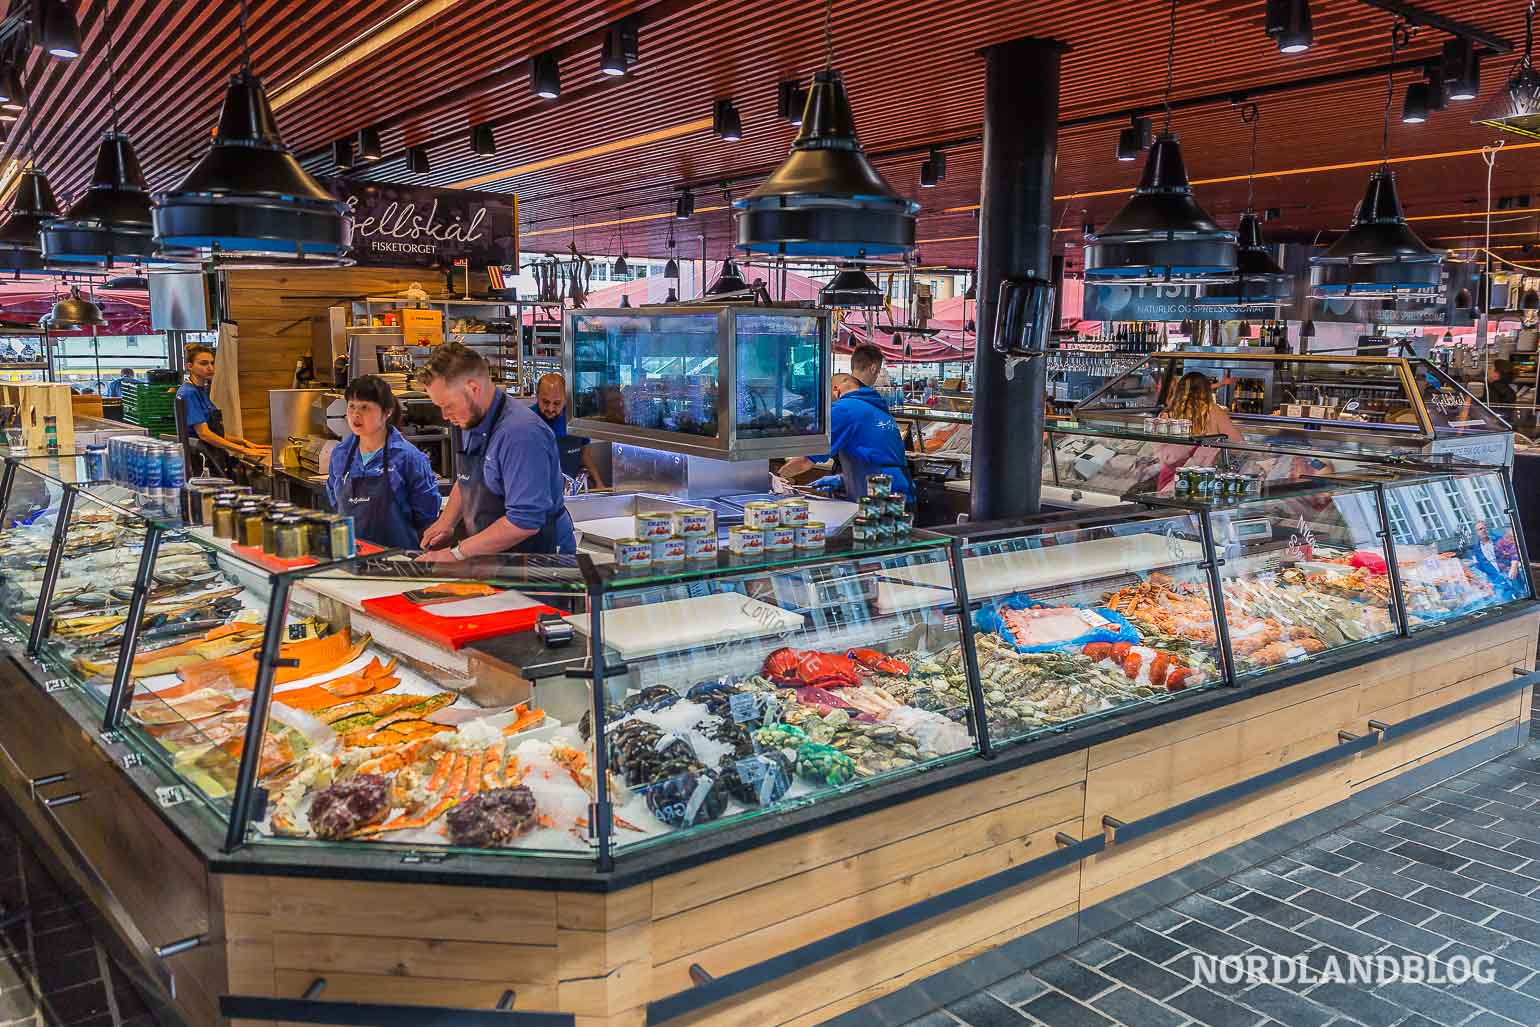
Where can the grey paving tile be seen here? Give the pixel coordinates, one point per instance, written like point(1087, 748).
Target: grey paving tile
point(1507, 900)
point(1077, 981)
point(1207, 939)
point(1402, 909)
point(1058, 1010)
point(1285, 1007)
point(1225, 891)
point(984, 1010)
point(1463, 930)
point(1321, 859)
point(1208, 1007)
point(1456, 811)
point(1192, 966)
point(1161, 920)
point(1145, 977)
point(1406, 814)
point(1455, 905)
point(1500, 1000)
point(1130, 1007)
point(1331, 907)
point(1268, 883)
point(939, 1018)
point(1155, 947)
point(1426, 1001)
point(1518, 926)
point(1425, 874)
point(1393, 930)
point(1357, 1003)
point(1273, 910)
point(1433, 857)
point(1384, 880)
point(1322, 881)
point(1345, 938)
point(1369, 855)
point(1486, 1019)
point(1272, 938)
point(1423, 834)
point(1510, 967)
point(1523, 846)
point(1207, 911)
point(1017, 988)
point(1094, 952)
point(1489, 855)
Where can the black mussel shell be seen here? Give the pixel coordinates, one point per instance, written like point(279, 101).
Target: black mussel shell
point(745, 777)
point(673, 799)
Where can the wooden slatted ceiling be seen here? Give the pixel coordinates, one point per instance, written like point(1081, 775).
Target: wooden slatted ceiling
point(911, 67)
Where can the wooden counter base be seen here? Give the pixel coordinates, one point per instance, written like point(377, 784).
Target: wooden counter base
point(606, 956)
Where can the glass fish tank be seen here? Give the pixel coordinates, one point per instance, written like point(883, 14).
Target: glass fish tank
point(727, 381)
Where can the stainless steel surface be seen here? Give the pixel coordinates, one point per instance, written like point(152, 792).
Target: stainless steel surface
point(296, 413)
point(644, 469)
point(328, 339)
point(364, 345)
point(726, 445)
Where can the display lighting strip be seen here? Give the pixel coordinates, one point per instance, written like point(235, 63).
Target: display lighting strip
point(568, 229)
point(403, 22)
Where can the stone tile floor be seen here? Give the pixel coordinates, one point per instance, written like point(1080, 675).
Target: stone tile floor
point(1453, 871)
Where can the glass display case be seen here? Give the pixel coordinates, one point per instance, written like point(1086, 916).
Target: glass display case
point(1369, 407)
point(726, 381)
point(547, 708)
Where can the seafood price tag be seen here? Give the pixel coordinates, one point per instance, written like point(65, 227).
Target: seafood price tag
point(55, 685)
point(132, 760)
point(751, 769)
point(697, 798)
point(744, 706)
point(111, 737)
point(172, 795)
point(296, 632)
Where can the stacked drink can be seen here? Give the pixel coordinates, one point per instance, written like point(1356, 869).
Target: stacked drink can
point(154, 468)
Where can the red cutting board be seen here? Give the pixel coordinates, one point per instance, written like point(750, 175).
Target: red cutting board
point(453, 632)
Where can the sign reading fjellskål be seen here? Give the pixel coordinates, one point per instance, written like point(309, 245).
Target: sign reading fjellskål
point(398, 225)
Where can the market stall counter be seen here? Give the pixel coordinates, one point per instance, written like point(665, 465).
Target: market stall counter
point(749, 789)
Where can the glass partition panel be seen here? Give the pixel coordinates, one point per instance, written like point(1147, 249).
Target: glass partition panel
point(753, 690)
point(1089, 623)
point(26, 532)
point(780, 367)
point(656, 371)
point(1304, 572)
point(1456, 547)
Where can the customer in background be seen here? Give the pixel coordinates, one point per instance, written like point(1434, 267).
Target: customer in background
point(865, 438)
point(1192, 398)
point(205, 424)
point(551, 405)
point(377, 477)
point(1500, 389)
point(113, 389)
point(507, 496)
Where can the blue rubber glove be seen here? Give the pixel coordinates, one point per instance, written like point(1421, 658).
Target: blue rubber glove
point(829, 483)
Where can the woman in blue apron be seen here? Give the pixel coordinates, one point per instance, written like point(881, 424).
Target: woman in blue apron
point(378, 478)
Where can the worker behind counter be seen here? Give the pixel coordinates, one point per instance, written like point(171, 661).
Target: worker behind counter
point(507, 496)
point(865, 438)
point(551, 405)
point(205, 424)
point(376, 477)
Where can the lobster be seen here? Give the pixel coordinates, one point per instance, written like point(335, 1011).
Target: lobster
point(882, 663)
point(798, 667)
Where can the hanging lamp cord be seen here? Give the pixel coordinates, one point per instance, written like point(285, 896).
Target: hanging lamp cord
point(1170, 64)
point(828, 35)
point(245, 41)
point(1251, 115)
point(112, 72)
point(1398, 36)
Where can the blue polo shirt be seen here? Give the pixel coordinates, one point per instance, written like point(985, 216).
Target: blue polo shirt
point(199, 407)
point(568, 447)
point(412, 481)
point(521, 464)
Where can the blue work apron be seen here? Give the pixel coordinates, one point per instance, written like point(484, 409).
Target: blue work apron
point(377, 516)
point(480, 507)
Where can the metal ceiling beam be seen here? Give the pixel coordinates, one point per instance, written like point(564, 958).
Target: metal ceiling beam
point(1415, 15)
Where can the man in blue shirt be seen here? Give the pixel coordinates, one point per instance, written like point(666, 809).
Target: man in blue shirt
point(507, 496)
point(113, 389)
point(205, 424)
point(865, 438)
point(551, 405)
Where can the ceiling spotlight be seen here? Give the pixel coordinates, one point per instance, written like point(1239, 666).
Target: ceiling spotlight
point(1414, 109)
point(55, 30)
point(725, 121)
point(1288, 22)
point(1516, 106)
point(1438, 89)
point(612, 59)
point(545, 76)
point(933, 168)
point(342, 154)
point(368, 144)
point(482, 141)
point(1462, 69)
point(790, 99)
point(1128, 144)
point(684, 207)
point(417, 160)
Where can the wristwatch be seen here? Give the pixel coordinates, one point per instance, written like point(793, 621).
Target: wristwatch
point(455, 552)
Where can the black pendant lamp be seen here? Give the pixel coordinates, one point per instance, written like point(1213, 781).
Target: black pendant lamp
point(248, 202)
point(111, 222)
point(1379, 256)
point(1516, 107)
point(72, 312)
point(21, 248)
point(851, 287)
point(730, 281)
point(826, 200)
point(1259, 281)
point(1162, 235)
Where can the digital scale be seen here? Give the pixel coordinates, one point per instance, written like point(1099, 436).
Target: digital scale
point(1246, 530)
point(936, 468)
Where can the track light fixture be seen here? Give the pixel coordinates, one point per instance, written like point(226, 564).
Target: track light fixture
point(790, 99)
point(620, 47)
point(417, 160)
point(933, 168)
point(1128, 145)
point(1288, 22)
point(368, 145)
point(483, 143)
point(1462, 69)
point(54, 29)
point(684, 207)
point(725, 121)
point(342, 154)
point(545, 76)
point(1414, 108)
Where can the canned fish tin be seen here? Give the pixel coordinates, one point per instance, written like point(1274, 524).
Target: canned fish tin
point(654, 527)
point(879, 484)
point(863, 529)
point(633, 554)
point(780, 538)
point(668, 552)
point(701, 547)
point(795, 512)
point(694, 522)
point(887, 528)
point(874, 507)
point(746, 541)
point(291, 537)
point(895, 506)
point(761, 515)
point(810, 535)
point(1183, 482)
point(1149, 424)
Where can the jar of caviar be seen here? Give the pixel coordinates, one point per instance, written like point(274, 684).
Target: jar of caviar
point(224, 518)
point(249, 520)
point(291, 537)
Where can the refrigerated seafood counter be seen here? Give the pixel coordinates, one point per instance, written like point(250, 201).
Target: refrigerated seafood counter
point(303, 789)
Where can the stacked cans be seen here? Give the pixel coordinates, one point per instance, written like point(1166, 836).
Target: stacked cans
point(151, 467)
point(776, 527)
point(668, 539)
point(882, 516)
point(1208, 483)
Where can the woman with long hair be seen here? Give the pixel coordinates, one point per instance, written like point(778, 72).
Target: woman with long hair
point(1192, 398)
